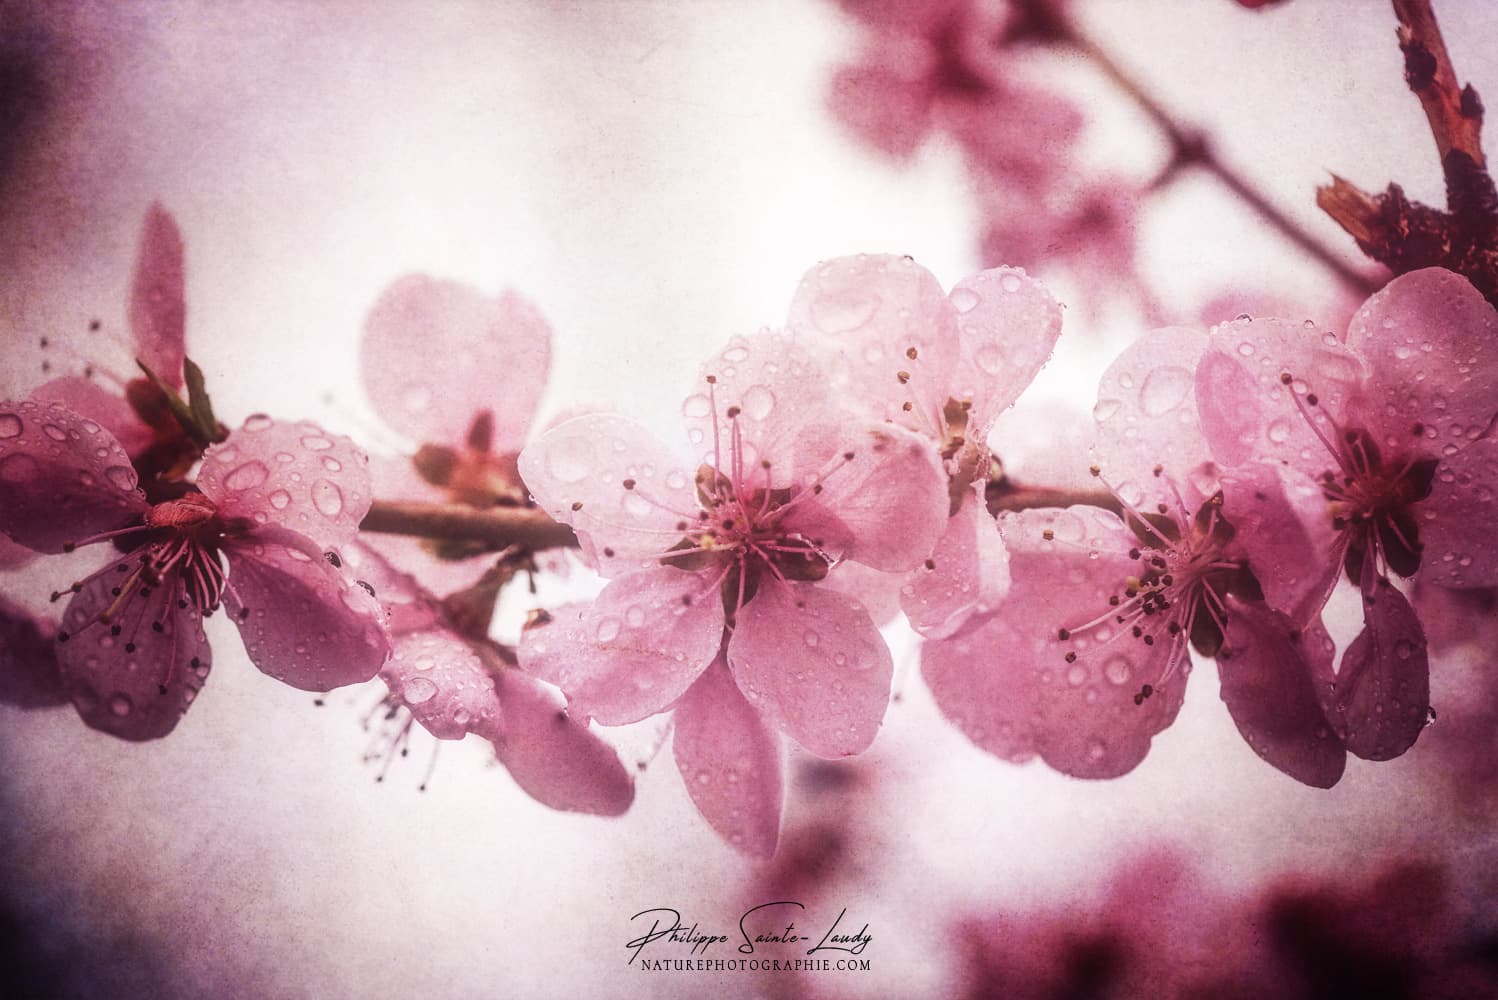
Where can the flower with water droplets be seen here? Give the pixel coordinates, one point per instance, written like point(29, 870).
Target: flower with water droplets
point(943, 366)
point(145, 413)
point(250, 534)
point(454, 680)
point(1087, 658)
point(1385, 438)
point(460, 374)
point(718, 598)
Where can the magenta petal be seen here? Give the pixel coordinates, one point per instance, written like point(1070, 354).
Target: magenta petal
point(885, 506)
point(443, 682)
point(1005, 680)
point(437, 353)
point(768, 391)
point(29, 676)
point(886, 109)
point(135, 685)
point(1381, 699)
point(302, 621)
point(635, 649)
point(1249, 412)
point(1459, 520)
point(731, 762)
point(576, 472)
point(1008, 325)
point(158, 315)
point(14, 555)
point(109, 409)
point(876, 590)
point(408, 606)
point(555, 758)
point(1269, 687)
point(1146, 417)
point(968, 572)
point(63, 478)
point(869, 315)
point(1281, 524)
point(296, 475)
point(1431, 341)
point(811, 660)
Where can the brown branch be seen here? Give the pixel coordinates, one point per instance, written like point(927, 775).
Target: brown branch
point(500, 527)
point(1006, 494)
point(1454, 112)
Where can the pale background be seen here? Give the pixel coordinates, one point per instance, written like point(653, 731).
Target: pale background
point(655, 176)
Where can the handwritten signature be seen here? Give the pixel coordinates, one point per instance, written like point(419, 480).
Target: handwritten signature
point(755, 930)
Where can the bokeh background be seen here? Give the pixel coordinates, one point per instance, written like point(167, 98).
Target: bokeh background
point(655, 176)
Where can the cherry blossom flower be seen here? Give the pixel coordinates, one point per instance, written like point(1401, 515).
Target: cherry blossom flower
point(461, 374)
point(1092, 643)
point(455, 683)
point(29, 677)
point(131, 648)
point(138, 411)
point(943, 366)
point(1387, 433)
point(718, 576)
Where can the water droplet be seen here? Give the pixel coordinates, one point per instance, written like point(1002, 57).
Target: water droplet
point(418, 690)
point(964, 300)
point(331, 464)
point(1010, 283)
point(327, 498)
point(990, 359)
point(121, 705)
point(736, 354)
point(696, 405)
point(635, 616)
point(54, 432)
point(247, 476)
point(1105, 409)
point(1076, 675)
point(810, 637)
point(758, 402)
point(636, 505)
point(316, 442)
point(10, 425)
point(570, 460)
point(675, 480)
point(280, 499)
point(1117, 670)
point(608, 629)
point(258, 422)
point(834, 313)
point(1246, 349)
point(1404, 649)
point(1164, 389)
point(1279, 431)
point(1095, 750)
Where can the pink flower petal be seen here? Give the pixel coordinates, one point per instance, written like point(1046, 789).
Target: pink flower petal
point(1381, 699)
point(731, 762)
point(135, 685)
point(885, 506)
point(1431, 341)
point(302, 621)
point(968, 573)
point(876, 590)
point(293, 474)
point(157, 312)
point(29, 676)
point(408, 606)
point(1005, 680)
point(869, 314)
point(811, 660)
point(634, 650)
point(438, 676)
point(109, 409)
point(1009, 324)
point(63, 478)
point(1147, 417)
point(1248, 412)
point(555, 758)
point(1281, 524)
point(576, 472)
point(772, 389)
point(1270, 691)
point(437, 353)
point(14, 555)
point(1459, 520)
point(882, 106)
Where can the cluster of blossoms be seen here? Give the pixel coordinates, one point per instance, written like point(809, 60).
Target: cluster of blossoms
point(836, 473)
point(955, 69)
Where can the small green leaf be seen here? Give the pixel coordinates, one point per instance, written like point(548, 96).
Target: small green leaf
point(199, 403)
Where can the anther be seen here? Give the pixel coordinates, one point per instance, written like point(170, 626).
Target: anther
point(1048, 535)
point(930, 563)
point(628, 484)
point(129, 647)
point(733, 412)
point(903, 376)
point(1063, 634)
point(910, 352)
point(577, 505)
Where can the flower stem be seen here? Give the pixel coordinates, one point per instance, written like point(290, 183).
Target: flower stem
point(526, 527)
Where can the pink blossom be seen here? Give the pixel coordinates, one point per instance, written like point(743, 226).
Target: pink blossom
point(454, 683)
point(136, 411)
point(29, 677)
point(944, 367)
point(1389, 427)
point(727, 564)
point(460, 374)
point(251, 535)
point(1087, 657)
